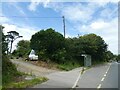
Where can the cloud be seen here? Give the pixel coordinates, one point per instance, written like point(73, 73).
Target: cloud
point(33, 6)
point(26, 32)
point(86, 19)
point(78, 13)
point(16, 5)
point(4, 20)
point(108, 30)
point(99, 25)
point(108, 13)
point(35, 3)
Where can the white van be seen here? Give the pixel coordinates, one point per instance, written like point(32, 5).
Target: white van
point(32, 55)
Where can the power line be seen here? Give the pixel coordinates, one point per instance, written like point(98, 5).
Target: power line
point(29, 17)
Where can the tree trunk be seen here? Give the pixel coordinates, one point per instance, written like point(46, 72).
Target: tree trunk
point(11, 47)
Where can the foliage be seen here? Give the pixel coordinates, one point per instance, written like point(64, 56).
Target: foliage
point(69, 65)
point(59, 56)
point(109, 55)
point(26, 83)
point(51, 45)
point(87, 44)
point(47, 42)
point(8, 70)
point(118, 57)
point(23, 48)
point(11, 37)
point(93, 45)
point(4, 44)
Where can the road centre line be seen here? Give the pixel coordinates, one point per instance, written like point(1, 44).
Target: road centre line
point(99, 86)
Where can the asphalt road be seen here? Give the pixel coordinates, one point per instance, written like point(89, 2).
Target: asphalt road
point(64, 79)
point(105, 76)
point(102, 76)
point(111, 80)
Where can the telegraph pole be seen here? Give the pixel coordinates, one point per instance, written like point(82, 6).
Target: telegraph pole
point(64, 25)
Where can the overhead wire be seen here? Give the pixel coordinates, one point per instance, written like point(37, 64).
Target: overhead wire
point(29, 17)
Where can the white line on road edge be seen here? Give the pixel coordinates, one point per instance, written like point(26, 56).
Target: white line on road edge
point(99, 86)
point(105, 75)
point(78, 78)
point(102, 79)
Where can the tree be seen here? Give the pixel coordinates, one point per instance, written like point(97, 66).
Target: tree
point(23, 48)
point(3, 43)
point(9, 70)
point(11, 37)
point(93, 45)
point(109, 55)
point(118, 57)
point(47, 42)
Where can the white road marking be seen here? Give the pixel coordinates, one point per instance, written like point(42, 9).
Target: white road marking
point(76, 81)
point(75, 84)
point(105, 75)
point(99, 86)
point(102, 79)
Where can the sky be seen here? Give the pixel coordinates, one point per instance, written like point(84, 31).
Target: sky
point(81, 17)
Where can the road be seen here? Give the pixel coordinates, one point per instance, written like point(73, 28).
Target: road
point(101, 76)
point(57, 79)
point(64, 79)
point(111, 80)
point(105, 76)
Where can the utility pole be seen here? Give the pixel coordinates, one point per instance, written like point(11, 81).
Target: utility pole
point(64, 25)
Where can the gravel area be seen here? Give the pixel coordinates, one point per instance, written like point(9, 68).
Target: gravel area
point(27, 67)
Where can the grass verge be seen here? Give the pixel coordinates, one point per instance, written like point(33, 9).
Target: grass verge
point(68, 66)
point(25, 83)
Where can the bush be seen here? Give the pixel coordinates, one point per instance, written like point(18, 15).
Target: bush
point(69, 65)
point(8, 70)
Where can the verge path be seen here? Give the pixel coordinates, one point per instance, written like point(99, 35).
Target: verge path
point(32, 69)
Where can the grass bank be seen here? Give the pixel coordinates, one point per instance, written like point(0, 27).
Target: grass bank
point(11, 78)
point(25, 83)
point(68, 66)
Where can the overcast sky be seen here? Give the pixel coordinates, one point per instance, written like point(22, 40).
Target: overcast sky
point(81, 18)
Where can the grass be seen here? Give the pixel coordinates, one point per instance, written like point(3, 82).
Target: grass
point(25, 83)
point(68, 66)
point(11, 78)
point(96, 63)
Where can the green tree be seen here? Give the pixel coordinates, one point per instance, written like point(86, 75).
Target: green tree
point(47, 42)
point(93, 45)
point(109, 55)
point(8, 68)
point(4, 44)
point(11, 37)
point(118, 57)
point(23, 48)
